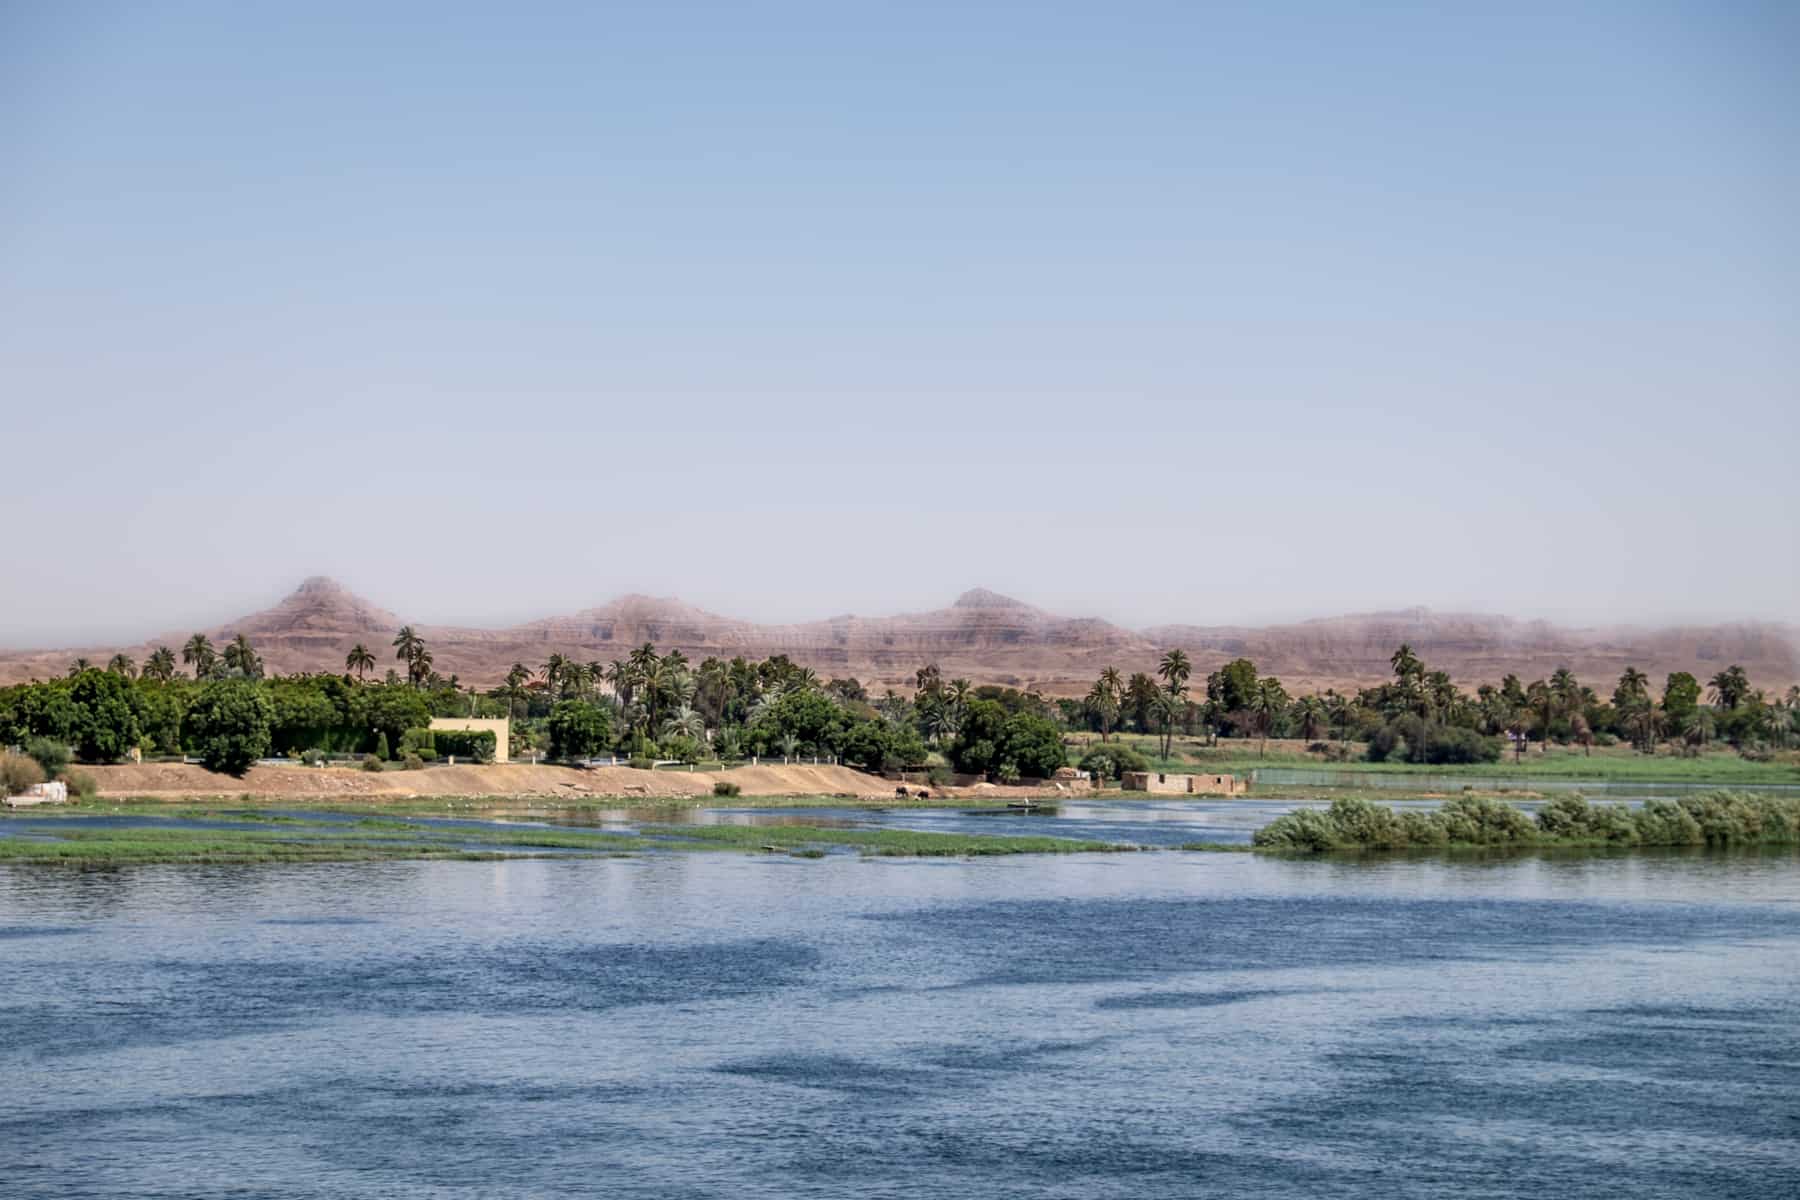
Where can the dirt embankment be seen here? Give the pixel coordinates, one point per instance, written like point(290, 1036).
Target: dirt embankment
point(174, 781)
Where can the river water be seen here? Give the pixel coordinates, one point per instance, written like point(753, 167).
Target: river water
point(722, 1025)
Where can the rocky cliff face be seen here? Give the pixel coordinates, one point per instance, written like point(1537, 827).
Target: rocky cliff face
point(989, 638)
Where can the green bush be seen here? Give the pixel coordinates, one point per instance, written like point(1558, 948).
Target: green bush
point(372, 763)
point(640, 764)
point(413, 762)
point(940, 776)
point(312, 758)
point(470, 745)
point(422, 742)
point(725, 787)
point(50, 755)
point(81, 784)
point(1713, 819)
point(381, 747)
point(1112, 760)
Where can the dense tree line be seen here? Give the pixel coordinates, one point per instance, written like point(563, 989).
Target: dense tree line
point(645, 705)
point(1422, 716)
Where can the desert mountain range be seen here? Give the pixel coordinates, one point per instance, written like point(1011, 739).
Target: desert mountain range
point(989, 638)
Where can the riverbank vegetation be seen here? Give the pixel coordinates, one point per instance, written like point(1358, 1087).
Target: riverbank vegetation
point(205, 835)
point(648, 708)
point(1721, 818)
point(1421, 718)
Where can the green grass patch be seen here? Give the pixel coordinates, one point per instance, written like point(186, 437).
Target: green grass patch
point(879, 842)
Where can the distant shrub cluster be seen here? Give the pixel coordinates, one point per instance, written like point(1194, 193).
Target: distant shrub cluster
point(1112, 760)
point(1715, 819)
point(1415, 740)
point(725, 787)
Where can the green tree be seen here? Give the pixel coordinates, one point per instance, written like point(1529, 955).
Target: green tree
point(1730, 687)
point(391, 709)
point(106, 723)
point(409, 648)
point(1233, 685)
point(1313, 717)
point(577, 729)
point(122, 665)
point(1033, 744)
point(1103, 704)
point(360, 660)
point(1633, 689)
point(198, 652)
point(228, 725)
point(1165, 710)
point(1267, 705)
point(241, 657)
point(160, 666)
point(1681, 695)
point(1175, 670)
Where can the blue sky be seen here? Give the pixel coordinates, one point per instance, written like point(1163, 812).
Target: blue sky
point(797, 309)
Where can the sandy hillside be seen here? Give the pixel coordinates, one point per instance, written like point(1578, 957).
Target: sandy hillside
point(990, 638)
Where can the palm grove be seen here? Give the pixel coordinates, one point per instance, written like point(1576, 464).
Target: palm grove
point(1421, 716)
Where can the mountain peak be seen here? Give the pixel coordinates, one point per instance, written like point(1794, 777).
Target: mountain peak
point(983, 598)
point(322, 587)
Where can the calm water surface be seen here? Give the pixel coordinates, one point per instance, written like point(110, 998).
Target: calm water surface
point(718, 1025)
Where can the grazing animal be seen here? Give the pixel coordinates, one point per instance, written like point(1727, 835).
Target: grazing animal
point(900, 792)
point(924, 794)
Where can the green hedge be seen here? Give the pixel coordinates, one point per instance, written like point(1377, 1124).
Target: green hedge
point(470, 745)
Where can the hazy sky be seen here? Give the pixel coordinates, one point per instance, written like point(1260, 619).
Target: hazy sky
point(1151, 311)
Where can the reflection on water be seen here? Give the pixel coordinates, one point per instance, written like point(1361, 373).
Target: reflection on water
point(1144, 1026)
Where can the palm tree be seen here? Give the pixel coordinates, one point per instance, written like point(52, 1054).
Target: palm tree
point(1697, 727)
point(1644, 722)
point(685, 722)
point(622, 678)
point(1165, 708)
point(514, 690)
point(1105, 707)
point(1338, 711)
point(1634, 685)
point(160, 666)
point(552, 672)
point(1113, 682)
point(78, 666)
point(1540, 697)
point(418, 671)
point(121, 664)
point(239, 656)
point(1730, 687)
point(359, 660)
point(199, 651)
point(408, 647)
point(1266, 704)
point(790, 747)
point(1175, 670)
point(935, 716)
point(1313, 717)
point(643, 659)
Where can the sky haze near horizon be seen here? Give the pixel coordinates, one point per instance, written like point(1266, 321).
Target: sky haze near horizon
point(1158, 312)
